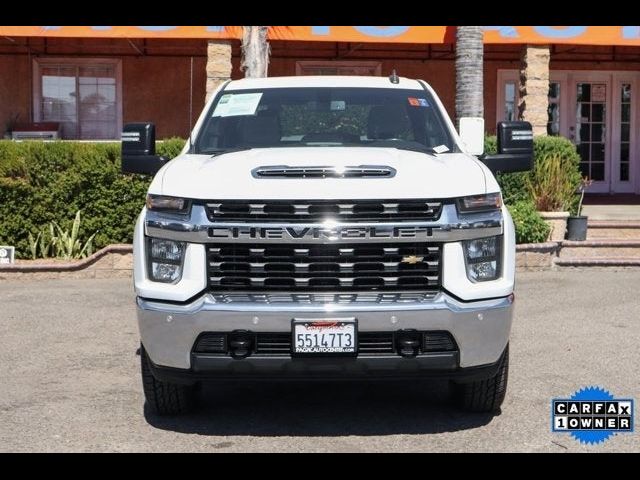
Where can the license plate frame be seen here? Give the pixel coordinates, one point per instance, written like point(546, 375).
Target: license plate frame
point(333, 326)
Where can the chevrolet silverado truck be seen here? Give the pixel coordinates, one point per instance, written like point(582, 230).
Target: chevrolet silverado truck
point(325, 227)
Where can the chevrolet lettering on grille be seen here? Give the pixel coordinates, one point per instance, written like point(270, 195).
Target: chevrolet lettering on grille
point(320, 233)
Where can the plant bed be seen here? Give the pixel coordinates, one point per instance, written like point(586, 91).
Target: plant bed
point(111, 261)
point(557, 222)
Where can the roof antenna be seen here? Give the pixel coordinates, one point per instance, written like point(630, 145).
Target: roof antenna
point(393, 78)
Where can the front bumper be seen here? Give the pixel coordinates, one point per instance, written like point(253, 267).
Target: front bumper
point(440, 365)
point(480, 328)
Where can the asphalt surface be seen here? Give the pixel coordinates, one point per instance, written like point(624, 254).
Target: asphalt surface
point(69, 380)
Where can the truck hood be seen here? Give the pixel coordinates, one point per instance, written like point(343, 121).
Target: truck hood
point(228, 176)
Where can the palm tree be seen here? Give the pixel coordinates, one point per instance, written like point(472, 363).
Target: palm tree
point(469, 59)
point(255, 51)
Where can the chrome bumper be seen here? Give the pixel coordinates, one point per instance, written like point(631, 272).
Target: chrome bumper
point(480, 328)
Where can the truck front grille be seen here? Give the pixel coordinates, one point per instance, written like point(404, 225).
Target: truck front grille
point(315, 267)
point(321, 210)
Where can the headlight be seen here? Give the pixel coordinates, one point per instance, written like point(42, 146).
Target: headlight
point(161, 203)
point(480, 203)
point(165, 260)
point(482, 257)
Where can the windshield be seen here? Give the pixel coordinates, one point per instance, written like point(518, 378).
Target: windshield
point(301, 117)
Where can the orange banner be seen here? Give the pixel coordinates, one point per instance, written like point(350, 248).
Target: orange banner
point(577, 35)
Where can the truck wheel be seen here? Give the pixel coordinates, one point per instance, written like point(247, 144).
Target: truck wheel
point(484, 395)
point(164, 398)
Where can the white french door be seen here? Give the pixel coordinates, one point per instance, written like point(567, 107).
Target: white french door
point(601, 122)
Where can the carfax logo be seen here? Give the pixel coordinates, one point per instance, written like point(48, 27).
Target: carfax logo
point(592, 415)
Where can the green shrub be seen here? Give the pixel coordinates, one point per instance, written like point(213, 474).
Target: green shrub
point(43, 182)
point(514, 185)
point(530, 226)
point(553, 183)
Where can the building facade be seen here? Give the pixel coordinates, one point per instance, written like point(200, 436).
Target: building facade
point(578, 82)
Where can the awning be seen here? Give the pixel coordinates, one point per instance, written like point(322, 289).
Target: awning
point(575, 35)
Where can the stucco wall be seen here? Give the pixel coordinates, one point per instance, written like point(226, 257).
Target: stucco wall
point(157, 89)
point(15, 89)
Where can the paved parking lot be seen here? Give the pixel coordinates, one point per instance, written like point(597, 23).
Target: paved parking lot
point(69, 378)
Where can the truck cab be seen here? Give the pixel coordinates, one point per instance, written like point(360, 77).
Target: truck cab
point(325, 227)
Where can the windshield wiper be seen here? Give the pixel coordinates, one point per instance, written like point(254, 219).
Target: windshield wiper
point(214, 152)
point(412, 148)
point(404, 145)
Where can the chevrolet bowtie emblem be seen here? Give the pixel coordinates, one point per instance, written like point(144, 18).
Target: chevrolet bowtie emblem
point(412, 259)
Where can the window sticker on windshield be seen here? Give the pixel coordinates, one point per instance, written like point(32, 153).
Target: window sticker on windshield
point(418, 102)
point(338, 105)
point(231, 105)
point(441, 149)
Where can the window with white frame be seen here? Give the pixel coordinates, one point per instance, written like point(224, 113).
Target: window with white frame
point(507, 96)
point(83, 95)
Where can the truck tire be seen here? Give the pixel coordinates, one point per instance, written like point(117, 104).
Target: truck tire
point(164, 398)
point(484, 395)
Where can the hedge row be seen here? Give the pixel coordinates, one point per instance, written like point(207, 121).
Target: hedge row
point(43, 182)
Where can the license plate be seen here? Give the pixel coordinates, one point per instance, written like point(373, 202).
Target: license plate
point(325, 336)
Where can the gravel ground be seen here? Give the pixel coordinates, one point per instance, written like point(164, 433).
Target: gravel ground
point(70, 380)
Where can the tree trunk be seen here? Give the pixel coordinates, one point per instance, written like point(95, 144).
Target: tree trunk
point(255, 52)
point(469, 72)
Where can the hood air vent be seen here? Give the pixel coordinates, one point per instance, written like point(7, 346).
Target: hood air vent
point(361, 171)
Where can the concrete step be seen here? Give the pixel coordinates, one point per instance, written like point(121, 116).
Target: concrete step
point(613, 229)
point(597, 262)
point(600, 249)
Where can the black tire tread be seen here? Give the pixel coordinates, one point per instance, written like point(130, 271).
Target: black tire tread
point(485, 395)
point(164, 398)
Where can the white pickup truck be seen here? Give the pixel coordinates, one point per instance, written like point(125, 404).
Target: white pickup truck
point(325, 227)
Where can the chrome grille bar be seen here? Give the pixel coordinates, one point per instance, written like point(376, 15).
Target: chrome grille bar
point(407, 266)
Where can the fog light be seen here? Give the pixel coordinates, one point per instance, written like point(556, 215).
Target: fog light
point(408, 343)
point(240, 344)
point(165, 260)
point(482, 258)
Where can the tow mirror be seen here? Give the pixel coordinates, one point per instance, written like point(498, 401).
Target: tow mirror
point(139, 149)
point(515, 148)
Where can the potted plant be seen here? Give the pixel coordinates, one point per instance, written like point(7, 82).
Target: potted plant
point(577, 224)
point(552, 186)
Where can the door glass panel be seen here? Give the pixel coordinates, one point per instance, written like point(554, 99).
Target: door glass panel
point(597, 112)
point(59, 98)
point(591, 127)
point(509, 101)
point(97, 86)
point(597, 171)
point(553, 111)
point(625, 129)
point(584, 92)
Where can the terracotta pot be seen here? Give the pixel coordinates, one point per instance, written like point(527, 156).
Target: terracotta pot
point(558, 223)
